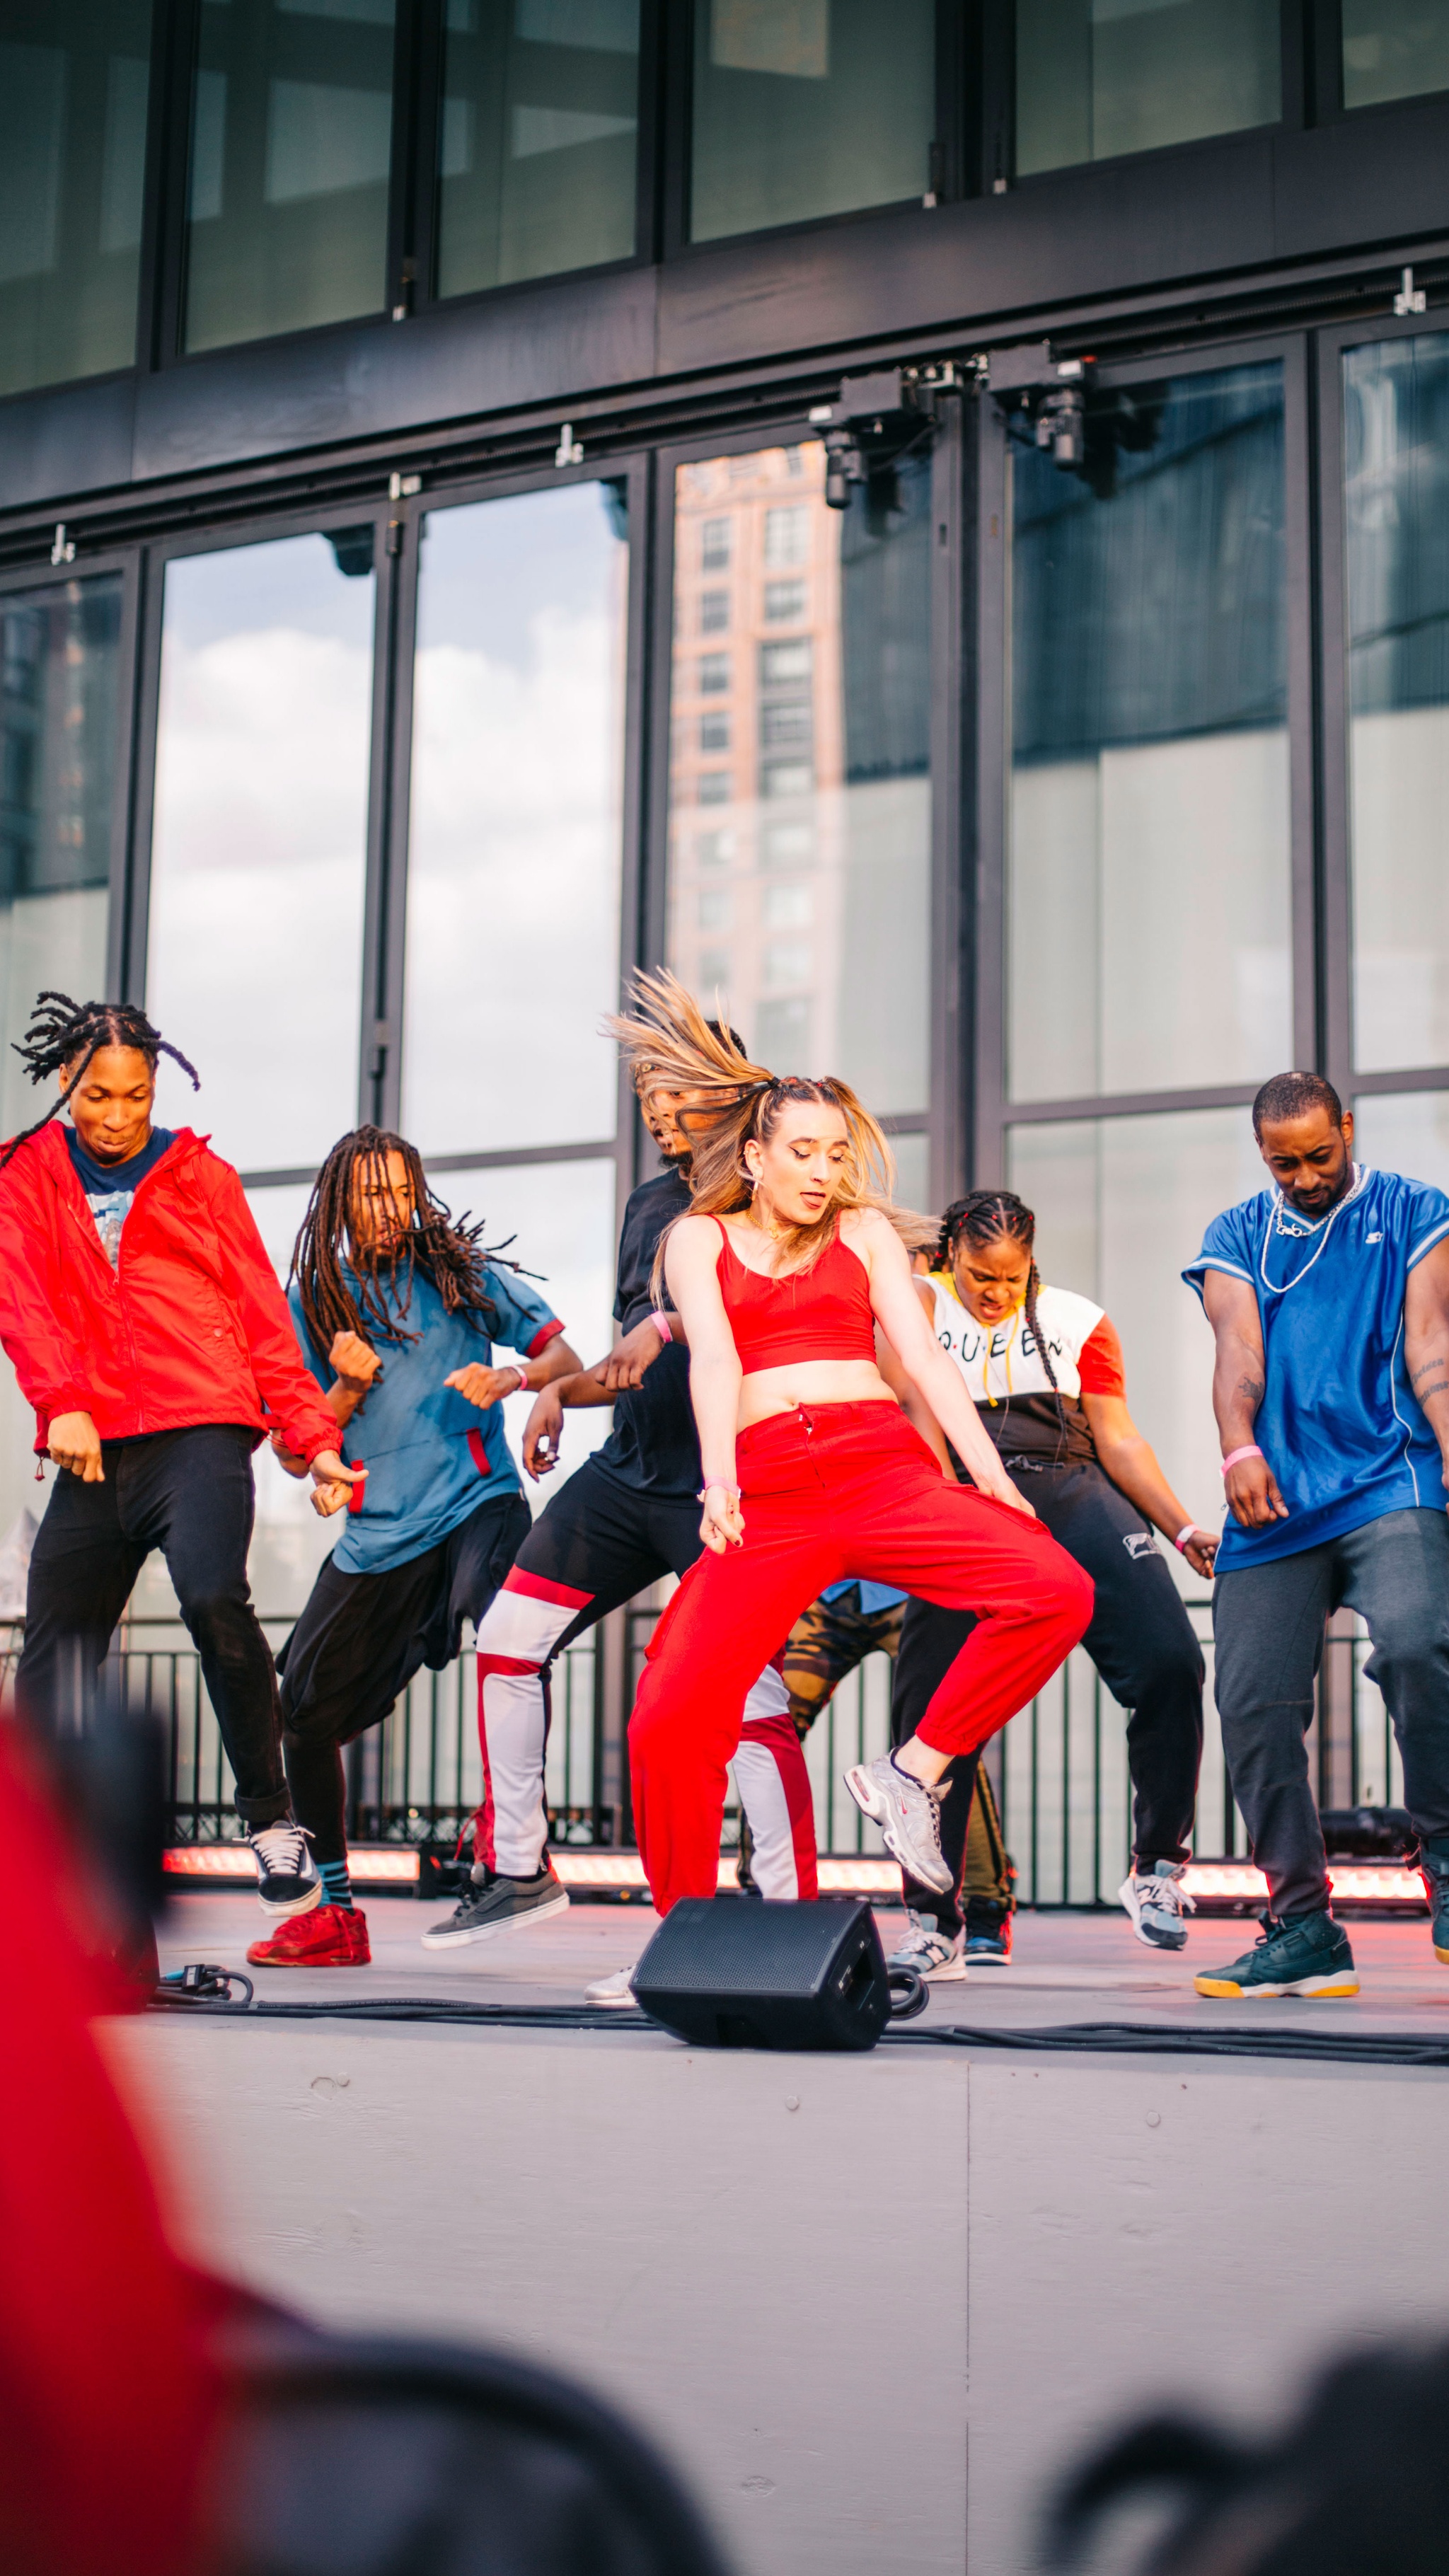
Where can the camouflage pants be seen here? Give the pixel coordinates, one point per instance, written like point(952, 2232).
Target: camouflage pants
point(825, 1645)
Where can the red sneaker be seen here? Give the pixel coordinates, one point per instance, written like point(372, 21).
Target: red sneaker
point(331, 1936)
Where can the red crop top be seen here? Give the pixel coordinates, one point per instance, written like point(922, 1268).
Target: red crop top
point(819, 1314)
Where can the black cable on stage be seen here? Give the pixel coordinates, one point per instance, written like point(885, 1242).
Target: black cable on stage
point(210, 2002)
point(1163, 2039)
point(1092, 2038)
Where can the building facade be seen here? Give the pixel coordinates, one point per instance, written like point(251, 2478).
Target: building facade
point(448, 555)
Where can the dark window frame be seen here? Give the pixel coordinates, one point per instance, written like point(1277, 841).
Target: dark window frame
point(1336, 861)
point(994, 1111)
point(1324, 44)
point(997, 130)
point(29, 581)
point(939, 1118)
point(397, 525)
point(953, 154)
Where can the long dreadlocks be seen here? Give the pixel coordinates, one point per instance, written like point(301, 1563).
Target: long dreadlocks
point(445, 1249)
point(994, 1216)
point(57, 1035)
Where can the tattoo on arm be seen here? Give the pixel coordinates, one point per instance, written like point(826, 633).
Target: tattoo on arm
point(1440, 1386)
point(1252, 1388)
point(1427, 1369)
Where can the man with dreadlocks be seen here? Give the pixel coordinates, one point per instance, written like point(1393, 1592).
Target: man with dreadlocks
point(146, 1327)
point(1044, 1367)
point(396, 1308)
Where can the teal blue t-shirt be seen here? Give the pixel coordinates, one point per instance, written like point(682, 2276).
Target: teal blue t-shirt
point(431, 1456)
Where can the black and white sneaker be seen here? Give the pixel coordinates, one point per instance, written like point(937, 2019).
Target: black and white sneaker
point(492, 1904)
point(287, 1880)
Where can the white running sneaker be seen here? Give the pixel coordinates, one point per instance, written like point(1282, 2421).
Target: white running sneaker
point(614, 1990)
point(937, 1956)
point(908, 1814)
point(287, 1880)
point(1156, 1903)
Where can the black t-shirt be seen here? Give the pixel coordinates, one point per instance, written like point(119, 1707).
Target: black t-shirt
point(654, 1444)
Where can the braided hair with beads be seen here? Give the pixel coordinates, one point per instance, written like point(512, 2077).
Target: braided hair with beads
point(63, 1032)
point(996, 1216)
point(446, 1250)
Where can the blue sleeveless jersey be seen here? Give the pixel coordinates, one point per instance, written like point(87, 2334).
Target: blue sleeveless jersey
point(1338, 1423)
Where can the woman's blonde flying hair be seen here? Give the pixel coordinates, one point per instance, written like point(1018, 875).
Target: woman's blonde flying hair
point(667, 1038)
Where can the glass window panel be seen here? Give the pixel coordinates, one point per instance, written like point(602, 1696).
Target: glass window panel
point(1394, 49)
point(912, 1155)
point(259, 841)
point(563, 1228)
point(1149, 840)
point(821, 831)
point(58, 732)
point(1099, 77)
point(518, 745)
point(1121, 1204)
point(808, 107)
point(1404, 1131)
point(289, 1542)
point(539, 138)
point(291, 128)
point(74, 80)
point(1396, 431)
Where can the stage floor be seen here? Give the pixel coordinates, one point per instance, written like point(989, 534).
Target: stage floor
point(1066, 1968)
point(763, 2259)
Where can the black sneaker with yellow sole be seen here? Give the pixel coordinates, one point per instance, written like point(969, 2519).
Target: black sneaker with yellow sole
point(1307, 1955)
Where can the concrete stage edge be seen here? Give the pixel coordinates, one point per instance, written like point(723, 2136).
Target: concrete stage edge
point(871, 2306)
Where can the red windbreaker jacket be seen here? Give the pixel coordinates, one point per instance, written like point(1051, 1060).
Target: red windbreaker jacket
point(192, 1327)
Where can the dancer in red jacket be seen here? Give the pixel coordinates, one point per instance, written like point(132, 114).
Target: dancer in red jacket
point(812, 1471)
point(147, 1328)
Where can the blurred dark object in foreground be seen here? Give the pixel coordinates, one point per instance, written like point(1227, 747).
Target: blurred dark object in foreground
point(355, 2456)
point(1357, 2486)
point(157, 2422)
point(110, 2399)
point(1368, 1833)
point(105, 1765)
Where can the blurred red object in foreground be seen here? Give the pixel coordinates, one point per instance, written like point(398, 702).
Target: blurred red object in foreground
point(110, 2401)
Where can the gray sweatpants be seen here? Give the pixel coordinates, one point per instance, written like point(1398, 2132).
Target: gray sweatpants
point(1268, 1626)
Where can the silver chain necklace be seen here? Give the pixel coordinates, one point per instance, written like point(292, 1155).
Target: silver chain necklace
point(1296, 1233)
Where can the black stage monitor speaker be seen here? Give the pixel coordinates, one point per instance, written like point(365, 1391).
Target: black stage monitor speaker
point(735, 1973)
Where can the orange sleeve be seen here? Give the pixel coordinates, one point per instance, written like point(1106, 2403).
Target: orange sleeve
point(1099, 1363)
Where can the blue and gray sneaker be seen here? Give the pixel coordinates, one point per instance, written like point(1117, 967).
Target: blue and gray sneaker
point(1307, 1955)
point(1434, 1871)
point(937, 1956)
point(1155, 1900)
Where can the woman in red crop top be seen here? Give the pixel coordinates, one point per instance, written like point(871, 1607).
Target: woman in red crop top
point(788, 1277)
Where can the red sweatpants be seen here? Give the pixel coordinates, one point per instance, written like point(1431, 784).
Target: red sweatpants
point(831, 1491)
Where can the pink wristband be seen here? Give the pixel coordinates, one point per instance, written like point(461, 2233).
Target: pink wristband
point(660, 1322)
point(1183, 1535)
point(1251, 1451)
point(522, 1374)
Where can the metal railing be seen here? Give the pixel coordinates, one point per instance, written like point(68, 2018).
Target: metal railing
point(1059, 1770)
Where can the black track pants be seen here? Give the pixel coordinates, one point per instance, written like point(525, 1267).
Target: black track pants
point(362, 1637)
point(1140, 1640)
point(1268, 1622)
point(191, 1494)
